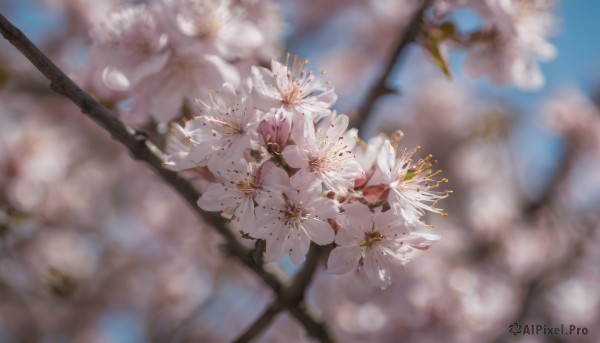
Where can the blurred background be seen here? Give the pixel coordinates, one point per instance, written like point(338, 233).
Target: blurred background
point(95, 248)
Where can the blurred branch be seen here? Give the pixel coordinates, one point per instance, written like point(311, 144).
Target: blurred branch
point(558, 178)
point(261, 323)
point(550, 276)
point(380, 87)
point(552, 273)
point(176, 333)
point(293, 295)
point(295, 292)
point(142, 149)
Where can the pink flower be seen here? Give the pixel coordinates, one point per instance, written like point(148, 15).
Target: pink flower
point(373, 243)
point(325, 153)
point(295, 217)
point(239, 186)
point(515, 40)
point(231, 119)
point(226, 126)
point(411, 185)
point(188, 75)
point(128, 45)
point(292, 88)
point(218, 24)
point(275, 130)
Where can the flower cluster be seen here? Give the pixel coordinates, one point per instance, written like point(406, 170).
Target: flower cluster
point(169, 52)
point(513, 39)
point(286, 169)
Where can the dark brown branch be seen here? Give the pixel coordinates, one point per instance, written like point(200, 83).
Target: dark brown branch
point(260, 324)
point(142, 149)
point(292, 296)
point(381, 87)
point(295, 292)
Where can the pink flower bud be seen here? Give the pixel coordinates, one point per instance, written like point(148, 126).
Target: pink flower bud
point(275, 131)
point(376, 194)
point(360, 181)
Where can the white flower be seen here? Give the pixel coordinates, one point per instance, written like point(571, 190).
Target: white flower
point(239, 186)
point(366, 153)
point(188, 75)
point(183, 149)
point(325, 153)
point(514, 41)
point(268, 17)
point(231, 119)
point(410, 184)
point(128, 45)
point(372, 243)
point(290, 221)
point(293, 88)
point(227, 126)
point(217, 23)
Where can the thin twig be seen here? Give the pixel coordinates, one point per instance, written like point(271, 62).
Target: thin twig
point(381, 87)
point(142, 149)
point(558, 178)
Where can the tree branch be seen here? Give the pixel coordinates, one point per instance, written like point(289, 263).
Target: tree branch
point(295, 292)
point(292, 296)
point(562, 173)
point(142, 149)
point(261, 323)
point(380, 87)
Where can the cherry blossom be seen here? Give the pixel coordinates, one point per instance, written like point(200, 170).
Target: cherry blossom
point(129, 45)
point(292, 87)
point(226, 125)
point(275, 130)
point(514, 40)
point(366, 152)
point(229, 116)
point(373, 243)
point(182, 148)
point(290, 221)
point(411, 185)
point(325, 153)
point(189, 74)
point(217, 24)
point(239, 186)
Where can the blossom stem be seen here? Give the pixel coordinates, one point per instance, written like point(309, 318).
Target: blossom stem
point(142, 149)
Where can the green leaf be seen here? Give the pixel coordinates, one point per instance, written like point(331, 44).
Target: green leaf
point(432, 37)
point(433, 48)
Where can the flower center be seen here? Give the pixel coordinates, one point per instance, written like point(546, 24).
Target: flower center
point(245, 187)
point(316, 163)
point(292, 95)
point(293, 214)
point(370, 239)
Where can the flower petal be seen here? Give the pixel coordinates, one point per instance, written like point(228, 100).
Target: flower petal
point(343, 260)
point(218, 198)
point(386, 158)
point(319, 231)
point(376, 268)
point(295, 156)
